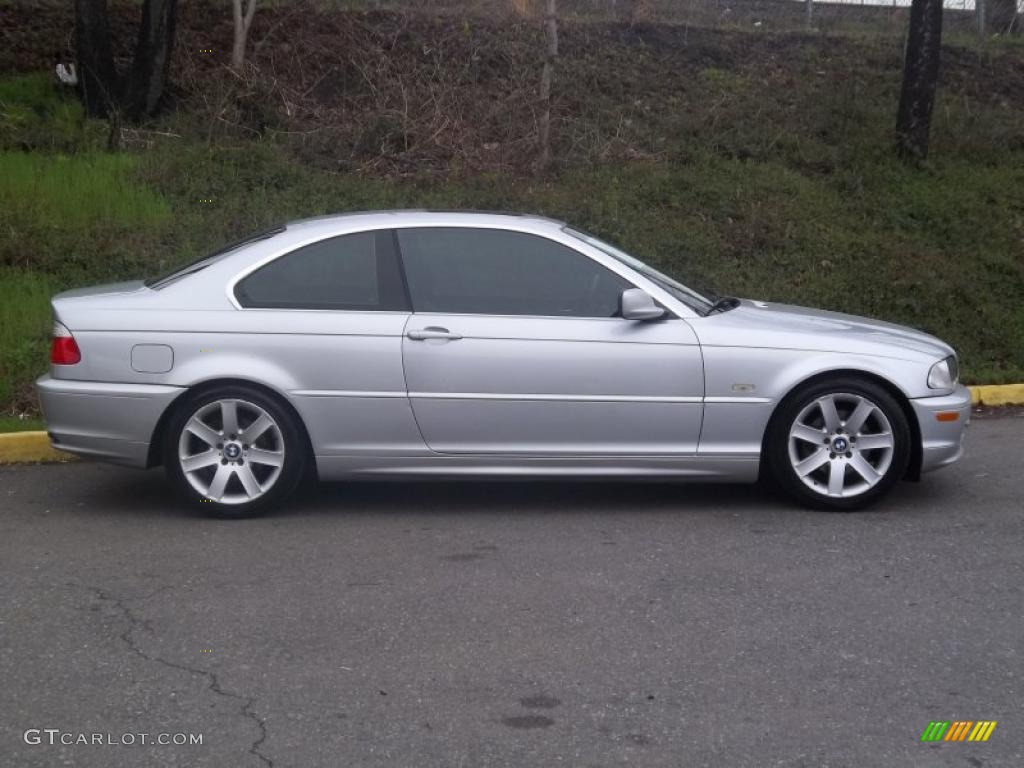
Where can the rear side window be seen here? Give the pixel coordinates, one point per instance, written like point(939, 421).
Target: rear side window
point(352, 272)
point(499, 272)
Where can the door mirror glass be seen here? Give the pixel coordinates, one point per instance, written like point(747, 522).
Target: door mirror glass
point(638, 305)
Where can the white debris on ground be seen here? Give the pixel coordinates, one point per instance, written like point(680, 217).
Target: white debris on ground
point(66, 74)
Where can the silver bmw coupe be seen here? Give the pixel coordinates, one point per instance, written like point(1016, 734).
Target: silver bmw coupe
point(414, 343)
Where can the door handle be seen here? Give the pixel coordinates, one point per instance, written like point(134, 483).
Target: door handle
point(433, 332)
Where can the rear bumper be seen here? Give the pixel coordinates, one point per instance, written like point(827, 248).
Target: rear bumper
point(99, 420)
point(942, 441)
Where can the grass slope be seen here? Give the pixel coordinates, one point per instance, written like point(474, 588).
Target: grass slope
point(755, 164)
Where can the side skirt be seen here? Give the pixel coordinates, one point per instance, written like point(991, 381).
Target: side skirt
point(738, 469)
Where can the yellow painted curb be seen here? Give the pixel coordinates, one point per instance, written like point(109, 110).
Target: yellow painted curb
point(998, 394)
point(17, 447)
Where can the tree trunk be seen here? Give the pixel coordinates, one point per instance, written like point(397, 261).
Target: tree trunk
point(242, 24)
point(152, 58)
point(97, 77)
point(809, 12)
point(920, 76)
point(551, 35)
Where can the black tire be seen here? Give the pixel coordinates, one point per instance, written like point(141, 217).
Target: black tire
point(813, 491)
point(289, 434)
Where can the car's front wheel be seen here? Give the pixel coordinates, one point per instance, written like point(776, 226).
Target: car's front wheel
point(233, 451)
point(839, 444)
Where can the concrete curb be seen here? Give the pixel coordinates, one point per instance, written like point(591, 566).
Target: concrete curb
point(26, 447)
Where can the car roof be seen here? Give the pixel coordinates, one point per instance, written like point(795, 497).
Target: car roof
point(426, 217)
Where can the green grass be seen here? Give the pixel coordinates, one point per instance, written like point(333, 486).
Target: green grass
point(17, 424)
point(53, 204)
point(36, 114)
point(74, 219)
point(75, 192)
point(25, 323)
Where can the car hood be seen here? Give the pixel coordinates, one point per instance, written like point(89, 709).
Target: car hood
point(766, 324)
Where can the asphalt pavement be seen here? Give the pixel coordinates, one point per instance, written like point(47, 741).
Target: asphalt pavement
point(499, 624)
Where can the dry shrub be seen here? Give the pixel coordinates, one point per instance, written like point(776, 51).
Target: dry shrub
point(380, 92)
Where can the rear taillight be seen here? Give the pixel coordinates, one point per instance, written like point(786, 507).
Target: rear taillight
point(63, 349)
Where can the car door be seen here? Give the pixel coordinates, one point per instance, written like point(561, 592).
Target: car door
point(515, 347)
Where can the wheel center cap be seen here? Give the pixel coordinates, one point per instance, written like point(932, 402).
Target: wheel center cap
point(232, 450)
point(840, 444)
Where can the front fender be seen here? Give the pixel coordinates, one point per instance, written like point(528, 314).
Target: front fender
point(744, 386)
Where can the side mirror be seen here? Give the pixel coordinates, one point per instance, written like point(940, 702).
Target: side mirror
point(636, 304)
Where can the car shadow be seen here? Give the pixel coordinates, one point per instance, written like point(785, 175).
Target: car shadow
point(116, 491)
point(129, 492)
point(528, 497)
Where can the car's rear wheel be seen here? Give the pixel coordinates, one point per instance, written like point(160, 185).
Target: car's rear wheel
point(839, 444)
point(234, 451)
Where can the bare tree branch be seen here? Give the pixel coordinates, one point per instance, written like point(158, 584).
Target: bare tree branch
point(242, 24)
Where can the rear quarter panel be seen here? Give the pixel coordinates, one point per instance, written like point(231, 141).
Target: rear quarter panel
point(342, 371)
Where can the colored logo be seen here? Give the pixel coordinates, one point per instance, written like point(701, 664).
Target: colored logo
point(959, 730)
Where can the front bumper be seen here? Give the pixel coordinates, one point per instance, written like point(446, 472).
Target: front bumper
point(942, 441)
point(99, 420)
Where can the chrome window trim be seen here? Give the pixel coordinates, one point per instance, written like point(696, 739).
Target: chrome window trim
point(577, 318)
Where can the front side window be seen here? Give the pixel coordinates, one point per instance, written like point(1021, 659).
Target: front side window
point(461, 270)
point(352, 272)
point(695, 300)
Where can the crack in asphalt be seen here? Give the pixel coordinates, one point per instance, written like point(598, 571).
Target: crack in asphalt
point(213, 684)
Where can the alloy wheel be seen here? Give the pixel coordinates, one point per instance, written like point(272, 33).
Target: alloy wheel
point(231, 451)
point(841, 445)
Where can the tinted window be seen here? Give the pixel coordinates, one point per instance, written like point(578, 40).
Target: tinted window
point(357, 272)
point(496, 272)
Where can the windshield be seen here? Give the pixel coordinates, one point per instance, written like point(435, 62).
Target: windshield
point(191, 268)
point(695, 300)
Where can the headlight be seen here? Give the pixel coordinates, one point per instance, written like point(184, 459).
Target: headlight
point(944, 374)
